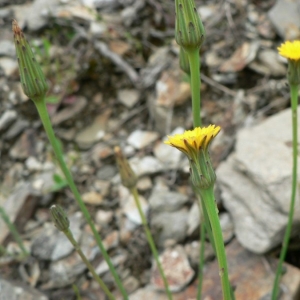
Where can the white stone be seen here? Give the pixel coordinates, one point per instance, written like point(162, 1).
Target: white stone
point(139, 139)
point(128, 97)
point(8, 65)
point(33, 164)
point(7, 118)
point(146, 165)
point(176, 268)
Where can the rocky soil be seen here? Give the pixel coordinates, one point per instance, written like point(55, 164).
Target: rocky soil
point(114, 78)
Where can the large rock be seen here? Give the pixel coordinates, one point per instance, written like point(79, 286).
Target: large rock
point(256, 183)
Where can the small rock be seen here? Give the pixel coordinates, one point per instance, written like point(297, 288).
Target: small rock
point(116, 260)
point(35, 15)
point(104, 217)
point(93, 133)
point(98, 29)
point(131, 211)
point(7, 48)
point(25, 146)
point(207, 11)
point(100, 151)
point(268, 63)
point(102, 186)
point(128, 97)
point(171, 90)
point(92, 198)
point(65, 271)
point(140, 139)
point(8, 65)
point(171, 260)
point(32, 164)
point(240, 58)
point(193, 221)
point(145, 166)
point(107, 172)
point(17, 128)
point(7, 118)
point(165, 201)
point(170, 225)
point(131, 284)
point(193, 252)
point(111, 240)
point(129, 207)
point(144, 183)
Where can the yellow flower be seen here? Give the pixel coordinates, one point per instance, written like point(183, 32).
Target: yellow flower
point(194, 144)
point(290, 50)
point(196, 139)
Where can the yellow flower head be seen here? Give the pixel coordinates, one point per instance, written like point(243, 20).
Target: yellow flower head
point(193, 140)
point(290, 50)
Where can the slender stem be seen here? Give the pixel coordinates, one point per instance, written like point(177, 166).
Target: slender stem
point(42, 109)
point(105, 289)
point(194, 61)
point(13, 231)
point(151, 241)
point(207, 225)
point(201, 253)
point(76, 291)
point(208, 200)
point(294, 104)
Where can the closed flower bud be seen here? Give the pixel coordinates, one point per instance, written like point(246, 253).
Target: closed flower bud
point(128, 177)
point(32, 78)
point(189, 30)
point(59, 218)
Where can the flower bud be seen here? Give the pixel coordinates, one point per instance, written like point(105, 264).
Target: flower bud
point(32, 78)
point(128, 177)
point(189, 30)
point(59, 218)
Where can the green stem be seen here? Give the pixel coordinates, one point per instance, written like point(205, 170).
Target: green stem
point(194, 61)
point(207, 225)
point(294, 104)
point(208, 200)
point(105, 289)
point(42, 110)
point(13, 231)
point(151, 241)
point(201, 253)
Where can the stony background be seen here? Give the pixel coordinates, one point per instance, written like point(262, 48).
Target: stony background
point(114, 79)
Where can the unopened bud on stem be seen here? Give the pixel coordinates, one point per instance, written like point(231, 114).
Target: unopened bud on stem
point(32, 78)
point(59, 218)
point(128, 177)
point(189, 30)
